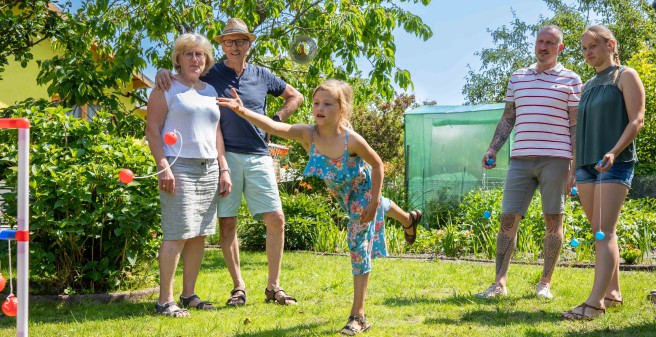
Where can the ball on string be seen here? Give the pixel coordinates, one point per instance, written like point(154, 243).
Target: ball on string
point(600, 235)
point(490, 161)
point(126, 176)
point(574, 243)
point(170, 138)
point(10, 305)
point(3, 282)
point(574, 191)
point(487, 214)
point(303, 49)
point(599, 163)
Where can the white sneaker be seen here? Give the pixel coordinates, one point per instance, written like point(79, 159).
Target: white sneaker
point(542, 290)
point(495, 290)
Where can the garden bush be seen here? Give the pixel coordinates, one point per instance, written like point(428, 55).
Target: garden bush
point(90, 233)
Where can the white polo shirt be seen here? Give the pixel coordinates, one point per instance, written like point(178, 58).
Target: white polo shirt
point(542, 101)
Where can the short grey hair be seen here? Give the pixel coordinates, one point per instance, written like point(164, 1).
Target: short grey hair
point(556, 29)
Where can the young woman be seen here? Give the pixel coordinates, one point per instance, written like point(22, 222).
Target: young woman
point(611, 113)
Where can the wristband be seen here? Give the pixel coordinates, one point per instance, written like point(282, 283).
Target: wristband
point(221, 170)
point(276, 118)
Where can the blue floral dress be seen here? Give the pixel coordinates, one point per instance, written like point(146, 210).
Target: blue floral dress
point(349, 180)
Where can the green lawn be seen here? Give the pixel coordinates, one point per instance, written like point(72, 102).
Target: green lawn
point(406, 298)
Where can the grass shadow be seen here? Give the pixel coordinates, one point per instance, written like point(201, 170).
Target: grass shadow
point(299, 330)
point(455, 298)
point(646, 330)
point(499, 317)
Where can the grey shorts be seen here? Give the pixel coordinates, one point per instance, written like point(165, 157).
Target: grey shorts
point(191, 210)
point(525, 174)
point(253, 177)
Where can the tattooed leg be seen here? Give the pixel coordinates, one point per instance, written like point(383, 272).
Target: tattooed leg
point(506, 243)
point(553, 242)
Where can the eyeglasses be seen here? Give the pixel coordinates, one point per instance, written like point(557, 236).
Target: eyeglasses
point(238, 42)
point(191, 54)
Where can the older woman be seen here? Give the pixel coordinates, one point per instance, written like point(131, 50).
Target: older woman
point(611, 114)
point(189, 190)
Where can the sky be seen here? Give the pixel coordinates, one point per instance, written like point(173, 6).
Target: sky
point(438, 66)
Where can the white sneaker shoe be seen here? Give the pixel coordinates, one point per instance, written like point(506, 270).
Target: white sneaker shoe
point(495, 290)
point(542, 290)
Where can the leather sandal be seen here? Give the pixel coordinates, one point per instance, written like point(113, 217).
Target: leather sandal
point(350, 329)
point(282, 297)
point(611, 302)
point(237, 297)
point(186, 303)
point(416, 219)
point(170, 309)
point(573, 316)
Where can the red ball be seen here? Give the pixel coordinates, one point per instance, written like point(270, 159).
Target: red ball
point(3, 282)
point(10, 305)
point(170, 138)
point(125, 176)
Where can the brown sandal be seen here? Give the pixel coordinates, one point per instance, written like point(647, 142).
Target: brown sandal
point(237, 297)
point(416, 219)
point(611, 302)
point(573, 316)
point(282, 296)
point(349, 329)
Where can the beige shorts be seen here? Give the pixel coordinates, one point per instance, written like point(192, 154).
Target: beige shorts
point(525, 174)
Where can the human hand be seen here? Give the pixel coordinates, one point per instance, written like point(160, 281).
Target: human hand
point(163, 79)
point(225, 184)
point(490, 155)
point(605, 163)
point(369, 212)
point(571, 183)
point(235, 104)
point(167, 181)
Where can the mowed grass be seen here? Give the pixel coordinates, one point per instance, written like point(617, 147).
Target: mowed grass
point(407, 297)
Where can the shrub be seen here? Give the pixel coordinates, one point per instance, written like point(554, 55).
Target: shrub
point(89, 231)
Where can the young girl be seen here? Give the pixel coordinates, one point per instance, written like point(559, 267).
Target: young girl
point(353, 173)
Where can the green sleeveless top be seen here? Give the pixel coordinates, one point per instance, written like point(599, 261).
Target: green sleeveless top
point(602, 119)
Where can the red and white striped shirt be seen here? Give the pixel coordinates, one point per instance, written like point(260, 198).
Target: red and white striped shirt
point(542, 101)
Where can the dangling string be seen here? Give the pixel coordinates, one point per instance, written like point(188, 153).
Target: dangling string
point(171, 164)
point(11, 275)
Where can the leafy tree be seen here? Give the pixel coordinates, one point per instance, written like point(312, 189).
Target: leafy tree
point(106, 41)
point(632, 23)
point(24, 24)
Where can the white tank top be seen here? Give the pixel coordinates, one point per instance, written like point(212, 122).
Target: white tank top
point(195, 115)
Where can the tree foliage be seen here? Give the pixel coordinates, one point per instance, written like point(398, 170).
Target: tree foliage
point(632, 21)
point(106, 41)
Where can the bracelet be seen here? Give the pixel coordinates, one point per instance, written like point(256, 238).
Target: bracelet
point(276, 118)
point(221, 170)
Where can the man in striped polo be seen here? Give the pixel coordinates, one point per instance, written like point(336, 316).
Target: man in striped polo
point(541, 105)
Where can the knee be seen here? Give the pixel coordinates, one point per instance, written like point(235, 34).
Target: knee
point(275, 221)
point(228, 226)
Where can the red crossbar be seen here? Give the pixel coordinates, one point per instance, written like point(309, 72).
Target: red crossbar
point(22, 235)
point(14, 123)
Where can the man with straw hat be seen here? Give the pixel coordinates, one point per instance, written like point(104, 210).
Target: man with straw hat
point(249, 164)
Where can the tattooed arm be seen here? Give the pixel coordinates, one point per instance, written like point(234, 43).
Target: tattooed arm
point(501, 134)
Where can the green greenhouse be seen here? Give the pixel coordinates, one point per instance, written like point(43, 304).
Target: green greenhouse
point(444, 148)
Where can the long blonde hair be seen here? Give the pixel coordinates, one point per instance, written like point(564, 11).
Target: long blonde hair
point(343, 94)
point(603, 35)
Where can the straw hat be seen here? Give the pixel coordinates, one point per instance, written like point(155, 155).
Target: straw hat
point(235, 27)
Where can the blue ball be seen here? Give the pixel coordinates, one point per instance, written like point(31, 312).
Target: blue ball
point(575, 191)
point(574, 243)
point(599, 163)
point(490, 161)
point(487, 214)
point(600, 235)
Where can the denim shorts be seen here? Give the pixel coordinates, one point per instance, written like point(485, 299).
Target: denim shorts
point(619, 173)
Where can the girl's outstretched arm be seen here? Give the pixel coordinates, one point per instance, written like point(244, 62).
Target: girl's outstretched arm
point(299, 132)
point(360, 147)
